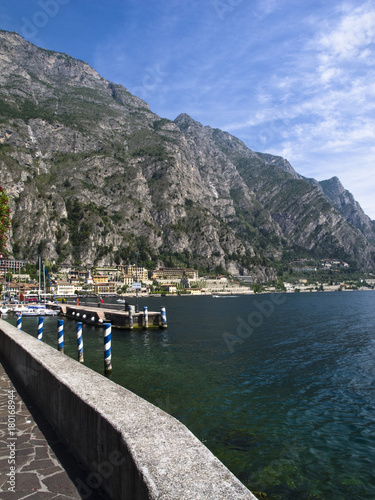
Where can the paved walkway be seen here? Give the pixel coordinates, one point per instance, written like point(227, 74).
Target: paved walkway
point(34, 464)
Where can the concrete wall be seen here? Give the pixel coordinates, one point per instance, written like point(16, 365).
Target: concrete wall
point(134, 450)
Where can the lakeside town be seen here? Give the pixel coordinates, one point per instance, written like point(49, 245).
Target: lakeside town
point(132, 279)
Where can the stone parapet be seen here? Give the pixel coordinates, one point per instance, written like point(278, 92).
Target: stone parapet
point(133, 449)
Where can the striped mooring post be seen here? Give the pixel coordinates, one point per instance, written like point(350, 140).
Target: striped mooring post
point(80, 342)
point(40, 328)
point(145, 317)
point(60, 335)
point(107, 348)
point(130, 316)
point(163, 317)
point(19, 321)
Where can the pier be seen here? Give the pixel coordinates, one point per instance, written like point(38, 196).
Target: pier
point(97, 316)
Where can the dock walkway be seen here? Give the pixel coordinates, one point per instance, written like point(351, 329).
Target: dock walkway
point(118, 319)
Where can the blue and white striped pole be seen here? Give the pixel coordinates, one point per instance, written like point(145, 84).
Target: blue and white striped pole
point(163, 317)
point(19, 321)
point(130, 316)
point(107, 348)
point(80, 342)
point(145, 317)
point(60, 335)
point(40, 328)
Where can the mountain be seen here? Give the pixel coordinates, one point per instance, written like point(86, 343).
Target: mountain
point(95, 176)
point(280, 162)
point(344, 202)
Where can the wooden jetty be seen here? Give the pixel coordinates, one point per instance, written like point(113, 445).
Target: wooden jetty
point(97, 316)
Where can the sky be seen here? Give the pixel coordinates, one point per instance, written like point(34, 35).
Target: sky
point(288, 77)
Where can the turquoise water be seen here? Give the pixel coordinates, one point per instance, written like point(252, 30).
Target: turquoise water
point(286, 400)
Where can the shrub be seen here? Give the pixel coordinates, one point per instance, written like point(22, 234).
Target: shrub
point(4, 217)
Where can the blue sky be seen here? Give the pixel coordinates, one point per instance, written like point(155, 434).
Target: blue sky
point(289, 77)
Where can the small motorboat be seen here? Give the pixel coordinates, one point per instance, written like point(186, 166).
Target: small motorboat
point(34, 310)
point(19, 308)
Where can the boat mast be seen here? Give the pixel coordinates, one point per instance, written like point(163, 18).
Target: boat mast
point(136, 279)
point(44, 282)
point(39, 264)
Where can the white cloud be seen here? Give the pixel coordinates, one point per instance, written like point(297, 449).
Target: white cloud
point(327, 74)
point(354, 32)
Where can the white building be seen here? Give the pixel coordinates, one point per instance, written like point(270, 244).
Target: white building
point(64, 288)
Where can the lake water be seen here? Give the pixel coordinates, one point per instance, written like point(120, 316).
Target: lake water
point(280, 387)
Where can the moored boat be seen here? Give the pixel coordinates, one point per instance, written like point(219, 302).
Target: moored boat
point(34, 310)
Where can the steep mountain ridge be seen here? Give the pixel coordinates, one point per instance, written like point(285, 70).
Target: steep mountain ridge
point(344, 202)
point(94, 176)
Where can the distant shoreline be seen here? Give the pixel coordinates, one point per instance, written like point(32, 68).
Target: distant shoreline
point(239, 294)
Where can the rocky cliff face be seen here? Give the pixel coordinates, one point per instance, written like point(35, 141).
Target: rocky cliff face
point(349, 208)
point(95, 176)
